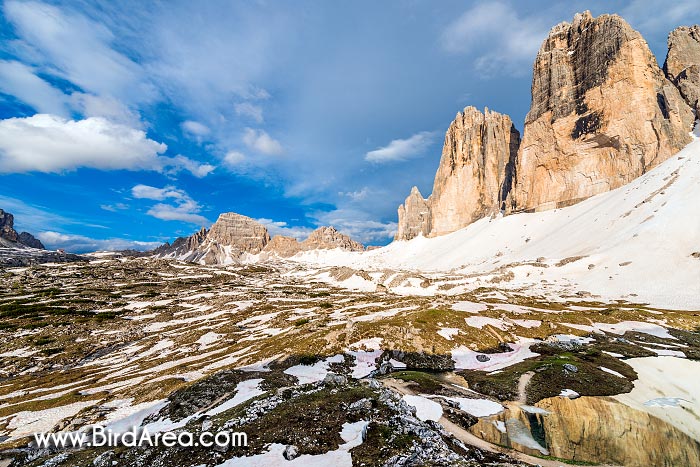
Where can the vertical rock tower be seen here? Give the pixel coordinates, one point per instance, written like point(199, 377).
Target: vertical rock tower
point(682, 64)
point(473, 179)
point(602, 114)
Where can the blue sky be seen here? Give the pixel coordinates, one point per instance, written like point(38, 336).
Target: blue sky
point(125, 124)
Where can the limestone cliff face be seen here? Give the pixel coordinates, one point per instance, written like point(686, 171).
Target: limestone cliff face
point(682, 65)
point(475, 171)
point(602, 114)
point(473, 179)
point(591, 429)
point(414, 217)
point(323, 238)
point(239, 232)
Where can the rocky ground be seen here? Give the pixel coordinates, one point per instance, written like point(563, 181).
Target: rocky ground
point(496, 377)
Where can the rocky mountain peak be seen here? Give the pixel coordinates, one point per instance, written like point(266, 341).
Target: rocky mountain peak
point(594, 82)
point(329, 237)
point(473, 179)
point(8, 232)
point(414, 216)
point(7, 226)
point(682, 64)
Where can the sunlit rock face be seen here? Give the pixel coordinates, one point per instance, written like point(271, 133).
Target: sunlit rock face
point(590, 429)
point(602, 114)
point(682, 65)
point(473, 179)
point(323, 238)
point(476, 169)
point(414, 217)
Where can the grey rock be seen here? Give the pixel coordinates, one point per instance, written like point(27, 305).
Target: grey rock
point(291, 452)
point(570, 368)
point(483, 358)
point(333, 379)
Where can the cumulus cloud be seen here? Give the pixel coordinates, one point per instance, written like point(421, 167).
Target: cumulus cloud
point(20, 81)
point(49, 143)
point(81, 244)
point(260, 141)
point(184, 208)
point(249, 110)
point(499, 36)
point(402, 149)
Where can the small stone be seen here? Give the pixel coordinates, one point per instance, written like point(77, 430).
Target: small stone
point(291, 452)
point(483, 358)
point(570, 368)
point(334, 379)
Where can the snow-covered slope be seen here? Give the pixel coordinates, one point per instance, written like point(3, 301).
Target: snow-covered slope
point(640, 242)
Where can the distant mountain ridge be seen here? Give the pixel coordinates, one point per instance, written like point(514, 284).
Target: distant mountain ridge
point(234, 237)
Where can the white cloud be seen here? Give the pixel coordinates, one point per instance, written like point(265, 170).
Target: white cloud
point(20, 81)
point(181, 162)
point(498, 35)
point(77, 49)
point(233, 159)
point(195, 128)
point(252, 111)
point(260, 141)
point(81, 244)
point(108, 107)
point(49, 143)
point(114, 207)
point(401, 149)
point(282, 228)
point(184, 209)
point(359, 195)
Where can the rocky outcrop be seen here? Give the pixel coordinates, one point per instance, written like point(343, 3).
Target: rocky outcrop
point(239, 232)
point(682, 64)
point(476, 170)
point(323, 238)
point(602, 114)
point(8, 233)
point(590, 429)
point(7, 230)
point(414, 217)
point(473, 179)
point(329, 238)
point(25, 238)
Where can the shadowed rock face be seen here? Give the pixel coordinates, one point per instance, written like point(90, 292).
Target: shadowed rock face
point(682, 65)
point(602, 114)
point(473, 180)
point(7, 230)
